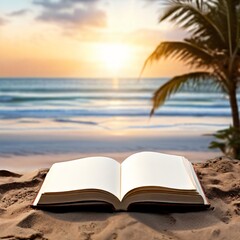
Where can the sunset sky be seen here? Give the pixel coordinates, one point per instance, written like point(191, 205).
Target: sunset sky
point(82, 38)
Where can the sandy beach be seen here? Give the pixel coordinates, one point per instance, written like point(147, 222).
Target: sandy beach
point(219, 178)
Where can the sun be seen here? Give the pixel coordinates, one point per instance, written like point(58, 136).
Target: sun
point(115, 56)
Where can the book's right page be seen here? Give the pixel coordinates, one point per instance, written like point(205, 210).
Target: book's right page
point(195, 180)
point(154, 169)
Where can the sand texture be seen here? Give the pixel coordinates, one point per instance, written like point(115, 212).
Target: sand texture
point(220, 179)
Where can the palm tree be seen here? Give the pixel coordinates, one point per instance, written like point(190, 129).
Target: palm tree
point(212, 50)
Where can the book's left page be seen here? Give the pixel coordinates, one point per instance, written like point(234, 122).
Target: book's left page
point(87, 173)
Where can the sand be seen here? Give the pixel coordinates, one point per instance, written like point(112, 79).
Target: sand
point(219, 177)
point(27, 148)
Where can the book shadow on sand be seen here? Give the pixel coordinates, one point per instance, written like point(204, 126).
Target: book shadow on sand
point(101, 207)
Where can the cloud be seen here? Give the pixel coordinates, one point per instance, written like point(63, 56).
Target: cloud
point(61, 4)
point(78, 17)
point(72, 13)
point(18, 13)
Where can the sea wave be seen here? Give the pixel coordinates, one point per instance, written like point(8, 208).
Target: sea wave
point(47, 113)
point(54, 98)
point(181, 98)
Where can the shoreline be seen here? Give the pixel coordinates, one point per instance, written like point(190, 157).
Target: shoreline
point(22, 164)
point(33, 148)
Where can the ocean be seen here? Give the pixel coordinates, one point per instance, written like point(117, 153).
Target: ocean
point(65, 98)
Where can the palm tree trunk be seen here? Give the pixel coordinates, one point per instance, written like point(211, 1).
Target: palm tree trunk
point(234, 108)
point(235, 119)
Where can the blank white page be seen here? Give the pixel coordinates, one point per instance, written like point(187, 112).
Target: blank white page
point(195, 180)
point(86, 173)
point(154, 169)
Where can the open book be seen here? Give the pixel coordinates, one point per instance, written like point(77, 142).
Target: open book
point(145, 177)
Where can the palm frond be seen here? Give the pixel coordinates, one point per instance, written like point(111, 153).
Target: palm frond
point(187, 52)
point(177, 83)
point(197, 22)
